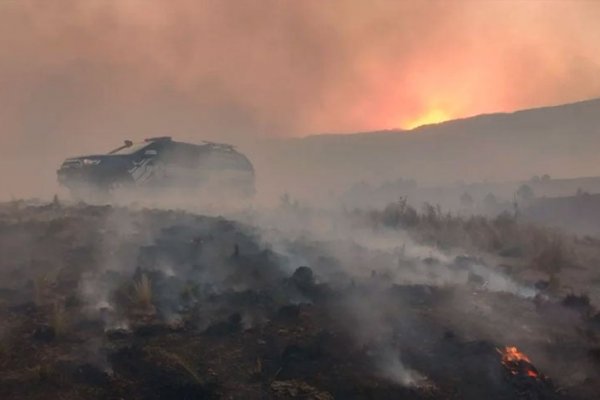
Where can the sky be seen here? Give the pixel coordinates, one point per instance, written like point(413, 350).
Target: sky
point(76, 73)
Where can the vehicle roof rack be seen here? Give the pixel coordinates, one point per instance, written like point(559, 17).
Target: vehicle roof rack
point(158, 138)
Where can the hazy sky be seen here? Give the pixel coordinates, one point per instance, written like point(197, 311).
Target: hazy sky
point(85, 70)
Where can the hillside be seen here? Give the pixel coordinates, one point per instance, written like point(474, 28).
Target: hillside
point(562, 141)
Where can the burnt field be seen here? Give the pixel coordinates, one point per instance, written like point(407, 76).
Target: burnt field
point(106, 302)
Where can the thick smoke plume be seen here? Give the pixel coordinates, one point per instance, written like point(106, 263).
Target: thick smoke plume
point(76, 76)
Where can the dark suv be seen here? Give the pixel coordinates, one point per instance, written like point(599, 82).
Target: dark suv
point(161, 163)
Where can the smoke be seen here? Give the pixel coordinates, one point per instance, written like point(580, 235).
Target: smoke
point(378, 273)
point(78, 77)
point(382, 288)
point(392, 368)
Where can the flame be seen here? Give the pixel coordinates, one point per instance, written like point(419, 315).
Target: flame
point(512, 354)
point(517, 362)
point(433, 116)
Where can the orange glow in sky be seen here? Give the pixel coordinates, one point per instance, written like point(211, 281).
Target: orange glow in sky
point(433, 116)
point(243, 68)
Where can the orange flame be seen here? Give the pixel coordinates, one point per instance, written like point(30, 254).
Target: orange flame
point(517, 362)
point(512, 354)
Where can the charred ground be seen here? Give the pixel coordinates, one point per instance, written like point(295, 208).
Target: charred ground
point(104, 302)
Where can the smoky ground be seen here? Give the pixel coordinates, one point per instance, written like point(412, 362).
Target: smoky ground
point(175, 298)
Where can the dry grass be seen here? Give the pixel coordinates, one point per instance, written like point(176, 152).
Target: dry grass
point(179, 361)
point(142, 292)
point(40, 288)
point(59, 321)
point(545, 249)
point(258, 367)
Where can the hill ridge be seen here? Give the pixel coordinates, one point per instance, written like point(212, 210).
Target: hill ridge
point(469, 119)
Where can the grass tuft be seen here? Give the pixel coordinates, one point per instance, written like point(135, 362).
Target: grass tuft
point(142, 291)
point(184, 364)
point(59, 320)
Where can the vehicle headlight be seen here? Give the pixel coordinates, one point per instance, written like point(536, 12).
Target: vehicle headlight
point(87, 161)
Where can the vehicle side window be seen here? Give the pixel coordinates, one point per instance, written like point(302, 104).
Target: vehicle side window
point(149, 153)
point(184, 156)
point(223, 160)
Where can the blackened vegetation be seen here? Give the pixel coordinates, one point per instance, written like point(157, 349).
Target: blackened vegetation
point(102, 303)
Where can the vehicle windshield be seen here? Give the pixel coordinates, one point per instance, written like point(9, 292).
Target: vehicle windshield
point(129, 150)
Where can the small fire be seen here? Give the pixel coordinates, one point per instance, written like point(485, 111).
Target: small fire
point(517, 363)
